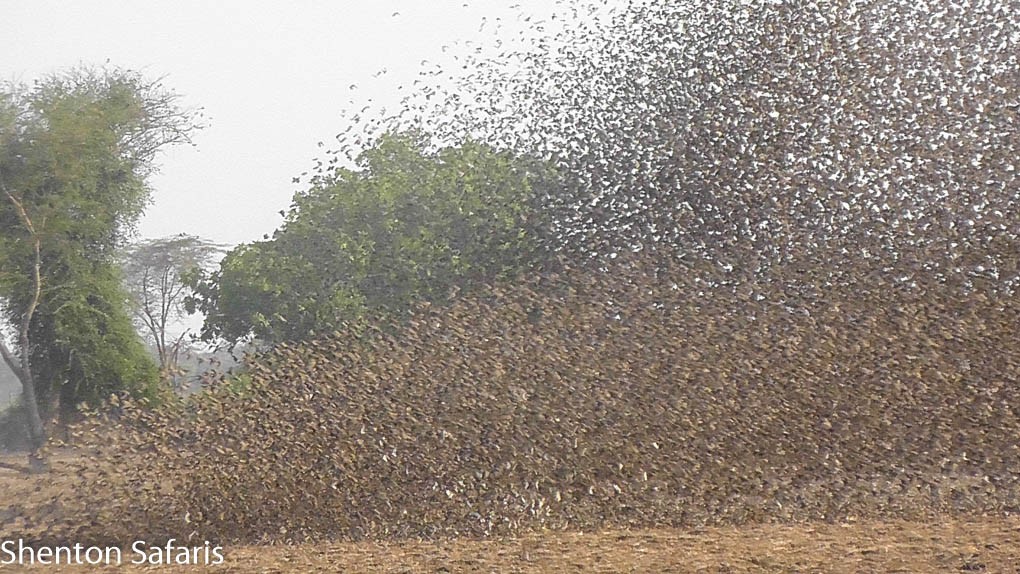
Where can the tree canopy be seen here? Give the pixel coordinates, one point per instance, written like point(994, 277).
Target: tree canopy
point(409, 223)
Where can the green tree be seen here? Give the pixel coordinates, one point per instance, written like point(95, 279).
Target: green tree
point(410, 224)
point(75, 153)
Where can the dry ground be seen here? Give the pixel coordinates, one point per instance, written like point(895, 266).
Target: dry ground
point(950, 545)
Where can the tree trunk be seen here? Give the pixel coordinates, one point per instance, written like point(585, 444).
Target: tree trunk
point(30, 402)
point(36, 429)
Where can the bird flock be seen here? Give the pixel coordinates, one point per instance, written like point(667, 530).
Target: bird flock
point(786, 246)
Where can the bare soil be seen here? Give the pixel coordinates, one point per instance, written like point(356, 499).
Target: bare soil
point(989, 544)
point(886, 547)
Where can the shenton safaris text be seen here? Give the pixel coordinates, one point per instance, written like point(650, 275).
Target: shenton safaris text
point(17, 552)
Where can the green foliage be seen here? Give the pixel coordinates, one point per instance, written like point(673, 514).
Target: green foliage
point(87, 346)
point(410, 224)
point(75, 151)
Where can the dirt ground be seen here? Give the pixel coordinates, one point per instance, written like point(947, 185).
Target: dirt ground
point(949, 545)
point(886, 547)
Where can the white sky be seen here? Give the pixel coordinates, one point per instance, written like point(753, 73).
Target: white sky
point(272, 77)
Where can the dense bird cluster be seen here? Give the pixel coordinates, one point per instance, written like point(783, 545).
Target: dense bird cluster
point(756, 134)
point(805, 223)
point(582, 401)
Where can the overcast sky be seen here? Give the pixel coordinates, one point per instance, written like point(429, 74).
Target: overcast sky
point(272, 77)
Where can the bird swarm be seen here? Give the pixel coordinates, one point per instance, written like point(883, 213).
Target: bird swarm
point(794, 233)
point(581, 400)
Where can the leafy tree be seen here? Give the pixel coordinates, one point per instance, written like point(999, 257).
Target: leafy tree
point(157, 273)
point(409, 224)
point(75, 152)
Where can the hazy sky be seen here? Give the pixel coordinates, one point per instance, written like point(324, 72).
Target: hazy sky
point(272, 77)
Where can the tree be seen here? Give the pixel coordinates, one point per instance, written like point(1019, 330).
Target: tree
point(157, 273)
point(75, 153)
point(410, 224)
